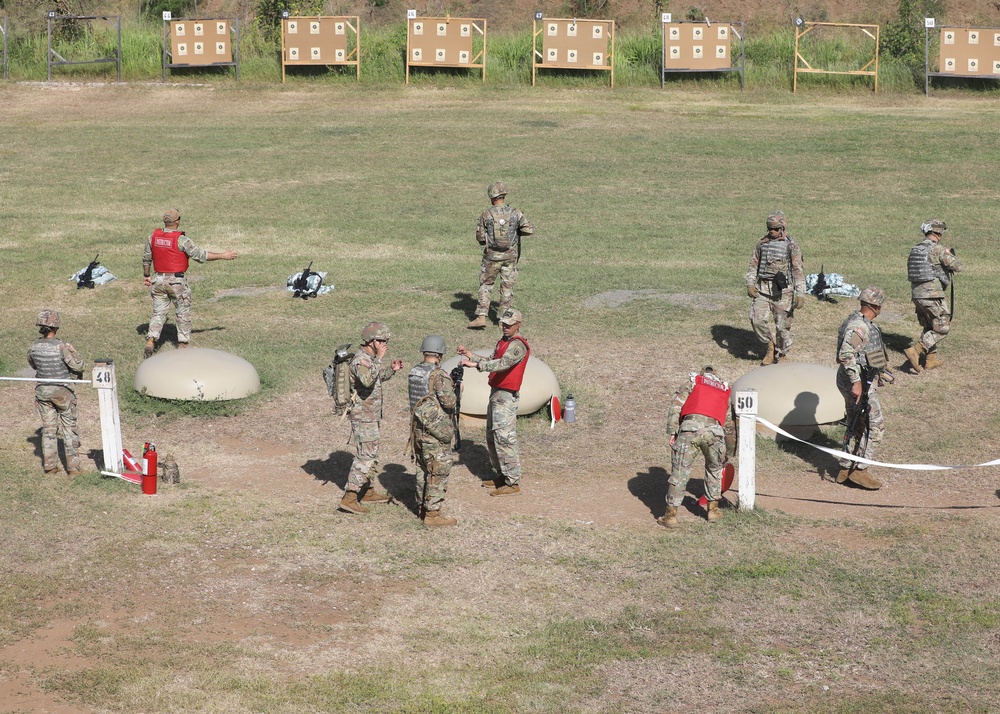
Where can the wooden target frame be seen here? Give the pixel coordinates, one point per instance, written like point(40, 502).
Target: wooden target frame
point(325, 40)
point(194, 43)
point(445, 42)
point(963, 52)
point(701, 46)
point(573, 43)
point(60, 61)
point(803, 28)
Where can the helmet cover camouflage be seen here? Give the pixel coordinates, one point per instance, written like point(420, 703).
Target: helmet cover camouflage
point(48, 318)
point(872, 296)
point(933, 225)
point(497, 189)
point(433, 343)
point(776, 220)
point(374, 331)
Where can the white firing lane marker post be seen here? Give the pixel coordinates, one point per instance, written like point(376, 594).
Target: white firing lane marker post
point(746, 412)
point(105, 382)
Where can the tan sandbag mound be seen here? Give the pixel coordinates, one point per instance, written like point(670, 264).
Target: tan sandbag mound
point(197, 374)
point(791, 394)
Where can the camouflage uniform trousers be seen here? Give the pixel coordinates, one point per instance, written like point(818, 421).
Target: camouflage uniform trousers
point(501, 435)
point(57, 408)
point(434, 461)
point(488, 272)
point(365, 435)
point(772, 319)
point(876, 419)
point(697, 434)
point(168, 289)
point(935, 319)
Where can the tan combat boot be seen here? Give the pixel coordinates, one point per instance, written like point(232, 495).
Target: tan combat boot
point(713, 513)
point(506, 490)
point(434, 519)
point(669, 519)
point(490, 483)
point(860, 478)
point(373, 495)
point(478, 323)
point(148, 349)
point(914, 354)
point(842, 475)
point(932, 361)
point(350, 503)
point(769, 357)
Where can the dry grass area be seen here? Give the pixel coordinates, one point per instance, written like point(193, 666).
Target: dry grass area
point(243, 590)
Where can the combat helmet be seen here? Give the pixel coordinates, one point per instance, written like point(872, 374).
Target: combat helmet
point(374, 331)
point(872, 296)
point(497, 189)
point(933, 225)
point(776, 219)
point(48, 318)
point(434, 344)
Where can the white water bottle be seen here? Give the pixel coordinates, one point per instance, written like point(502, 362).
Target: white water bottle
point(569, 413)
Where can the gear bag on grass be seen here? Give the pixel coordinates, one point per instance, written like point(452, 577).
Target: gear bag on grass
point(337, 376)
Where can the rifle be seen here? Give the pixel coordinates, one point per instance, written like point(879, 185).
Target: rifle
point(301, 283)
point(457, 374)
point(87, 279)
point(952, 308)
point(819, 289)
point(858, 428)
point(778, 286)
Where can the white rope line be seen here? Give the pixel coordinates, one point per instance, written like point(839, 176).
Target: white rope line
point(49, 381)
point(862, 460)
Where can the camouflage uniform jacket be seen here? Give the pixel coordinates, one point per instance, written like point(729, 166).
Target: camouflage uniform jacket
point(674, 416)
point(797, 277)
point(516, 352)
point(184, 244)
point(524, 228)
point(367, 375)
point(52, 358)
point(938, 255)
point(857, 335)
point(433, 413)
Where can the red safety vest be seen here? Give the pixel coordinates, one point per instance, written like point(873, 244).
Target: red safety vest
point(511, 378)
point(710, 397)
point(167, 257)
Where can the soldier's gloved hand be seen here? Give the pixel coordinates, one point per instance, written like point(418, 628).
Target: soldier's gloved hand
point(799, 302)
point(752, 291)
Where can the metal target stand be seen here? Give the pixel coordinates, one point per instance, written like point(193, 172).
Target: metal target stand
point(62, 61)
point(992, 58)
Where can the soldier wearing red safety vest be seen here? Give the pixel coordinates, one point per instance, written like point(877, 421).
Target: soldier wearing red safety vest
point(697, 421)
point(164, 269)
point(506, 368)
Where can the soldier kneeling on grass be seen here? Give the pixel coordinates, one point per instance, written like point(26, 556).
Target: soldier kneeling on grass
point(697, 422)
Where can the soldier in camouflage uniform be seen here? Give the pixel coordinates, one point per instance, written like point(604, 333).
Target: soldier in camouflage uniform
point(507, 365)
point(697, 422)
point(862, 358)
point(777, 283)
point(367, 374)
point(432, 407)
point(52, 358)
point(167, 255)
point(929, 269)
point(499, 231)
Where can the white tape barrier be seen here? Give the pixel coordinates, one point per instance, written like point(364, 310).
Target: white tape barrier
point(861, 460)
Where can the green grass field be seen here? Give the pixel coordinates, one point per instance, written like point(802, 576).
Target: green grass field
point(242, 590)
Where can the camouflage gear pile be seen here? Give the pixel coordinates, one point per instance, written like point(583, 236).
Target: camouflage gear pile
point(772, 310)
point(55, 359)
point(856, 340)
point(365, 413)
point(432, 430)
point(501, 251)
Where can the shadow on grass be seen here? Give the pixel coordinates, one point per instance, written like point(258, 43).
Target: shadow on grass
point(476, 458)
point(739, 342)
point(400, 483)
point(333, 469)
point(169, 332)
point(467, 303)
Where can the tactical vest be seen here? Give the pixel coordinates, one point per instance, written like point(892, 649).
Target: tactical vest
point(510, 378)
point(418, 383)
point(919, 268)
point(501, 227)
point(872, 354)
point(167, 257)
point(46, 355)
point(710, 397)
point(774, 259)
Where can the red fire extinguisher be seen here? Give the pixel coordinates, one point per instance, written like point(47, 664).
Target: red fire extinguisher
point(149, 469)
